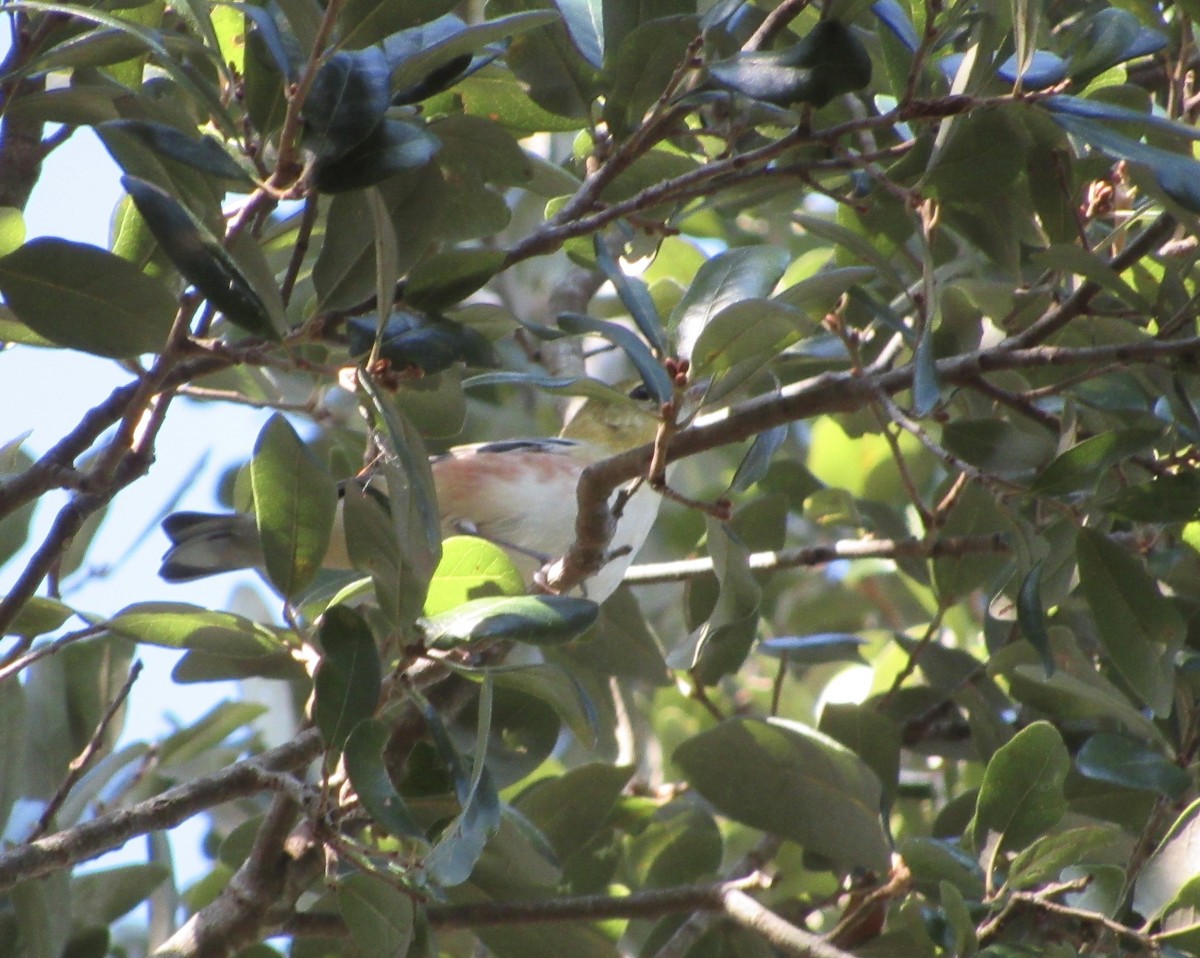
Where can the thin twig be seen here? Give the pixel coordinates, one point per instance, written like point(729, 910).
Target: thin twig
point(80, 763)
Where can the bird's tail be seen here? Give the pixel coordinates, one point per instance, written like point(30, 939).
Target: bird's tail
point(204, 543)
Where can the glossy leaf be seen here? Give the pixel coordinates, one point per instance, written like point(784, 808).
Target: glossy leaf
point(785, 778)
point(829, 61)
point(537, 620)
point(177, 625)
point(471, 568)
point(450, 277)
point(349, 676)
point(1139, 627)
point(204, 154)
point(726, 279)
point(199, 257)
point(392, 146)
point(295, 500)
point(347, 101)
point(85, 298)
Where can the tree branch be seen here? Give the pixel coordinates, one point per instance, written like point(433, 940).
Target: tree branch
point(826, 393)
point(654, 573)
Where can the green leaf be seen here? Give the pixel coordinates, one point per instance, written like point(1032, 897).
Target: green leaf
point(450, 276)
point(1080, 467)
point(38, 616)
point(177, 625)
point(650, 369)
point(570, 809)
point(829, 61)
point(784, 778)
point(378, 915)
point(86, 298)
point(391, 147)
point(728, 278)
point(635, 295)
point(559, 689)
point(363, 755)
point(457, 851)
point(872, 736)
point(533, 619)
point(349, 676)
point(200, 258)
point(1032, 617)
point(751, 332)
point(970, 162)
point(720, 645)
point(1139, 627)
point(644, 65)
point(347, 101)
point(417, 52)
point(1045, 859)
point(12, 229)
point(204, 154)
point(1120, 760)
point(471, 568)
point(1022, 792)
point(295, 502)
point(1081, 262)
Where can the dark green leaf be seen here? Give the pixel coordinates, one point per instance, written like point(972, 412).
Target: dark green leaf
point(650, 369)
point(204, 154)
point(1121, 760)
point(1032, 617)
point(348, 99)
point(349, 676)
point(534, 619)
point(757, 461)
point(451, 276)
point(645, 64)
point(391, 147)
point(635, 295)
point(418, 52)
point(86, 298)
point(784, 778)
point(1167, 498)
point(200, 258)
point(559, 689)
point(363, 756)
point(829, 61)
point(295, 500)
point(1139, 627)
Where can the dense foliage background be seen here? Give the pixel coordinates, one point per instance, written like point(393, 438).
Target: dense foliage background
point(915, 671)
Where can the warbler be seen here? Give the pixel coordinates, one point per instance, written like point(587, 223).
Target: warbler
point(517, 493)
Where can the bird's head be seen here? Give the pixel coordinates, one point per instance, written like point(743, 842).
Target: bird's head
point(617, 422)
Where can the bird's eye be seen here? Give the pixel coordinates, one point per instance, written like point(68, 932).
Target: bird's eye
point(640, 393)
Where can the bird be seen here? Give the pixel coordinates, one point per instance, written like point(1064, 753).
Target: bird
point(516, 493)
